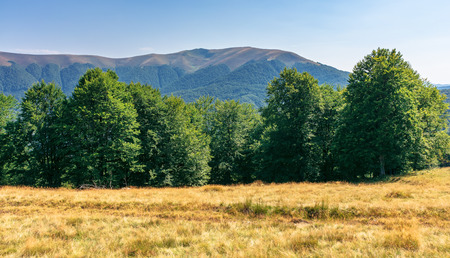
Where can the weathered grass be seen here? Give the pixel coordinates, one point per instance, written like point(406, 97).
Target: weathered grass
point(398, 194)
point(407, 216)
point(403, 239)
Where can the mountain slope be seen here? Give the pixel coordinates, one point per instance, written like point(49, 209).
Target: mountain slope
point(443, 86)
point(238, 73)
point(188, 60)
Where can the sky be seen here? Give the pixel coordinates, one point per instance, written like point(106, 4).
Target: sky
point(336, 33)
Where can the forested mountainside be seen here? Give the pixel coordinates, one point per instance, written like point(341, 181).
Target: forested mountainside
point(232, 73)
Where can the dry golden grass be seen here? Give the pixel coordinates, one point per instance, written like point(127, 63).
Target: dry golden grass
point(408, 216)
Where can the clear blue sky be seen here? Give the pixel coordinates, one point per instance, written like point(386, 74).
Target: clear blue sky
point(337, 33)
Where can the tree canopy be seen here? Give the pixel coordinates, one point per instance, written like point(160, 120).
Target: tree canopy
point(7, 109)
point(289, 152)
point(103, 131)
point(113, 134)
point(230, 125)
point(390, 118)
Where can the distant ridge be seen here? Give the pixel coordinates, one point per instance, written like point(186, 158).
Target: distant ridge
point(188, 60)
point(230, 73)
point(443, 86)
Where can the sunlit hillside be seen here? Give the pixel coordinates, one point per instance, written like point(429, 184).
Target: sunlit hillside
point(232, 73)
point(405, 216)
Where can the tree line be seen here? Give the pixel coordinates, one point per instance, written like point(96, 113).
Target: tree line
point(108, 133)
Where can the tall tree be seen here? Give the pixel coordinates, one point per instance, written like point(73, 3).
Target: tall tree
point(433, 117)
point(151, 117)
point(8, 106)
point(103, 130)
point(15, 158)
point(230, 125)
point(40, 110)
point(184, 149)
point(328, 117)
point(289, 151)
point(384, 120)
point(31, 149)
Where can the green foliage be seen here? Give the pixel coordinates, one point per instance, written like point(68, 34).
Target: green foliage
point(71, 74)
point(391, 118)
point(110, 134)
point(40, 110)
point(7, 110)
point(175, 150)
point(446, 93)
point(168, 75)
point(157, 76)
point(51, 73)
point(251, 94)
point(35, 70)
point(8, 105)
point(14, 156)
point(230, 125)
point(15, 80)
point(102, 126)
point(331, 104)
point(324, 73)
point(198, 79)
point(31, 139)
point(289, 151)
point(247, 83)
point(433, 115)
point(184, 148)
point(151, 111)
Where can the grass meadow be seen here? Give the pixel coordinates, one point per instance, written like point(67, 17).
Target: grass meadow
point(406, 216)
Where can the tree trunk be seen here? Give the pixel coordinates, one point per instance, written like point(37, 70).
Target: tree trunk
point(382, 170)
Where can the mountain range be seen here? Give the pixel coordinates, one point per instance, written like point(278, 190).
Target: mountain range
point(443, 86)
point(232, 73)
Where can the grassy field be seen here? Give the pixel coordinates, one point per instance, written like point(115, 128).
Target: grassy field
point(407, 216)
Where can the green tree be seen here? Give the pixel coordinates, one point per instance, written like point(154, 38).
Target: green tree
point(288, 148)
point(184, 149)
point(433, 117)
point(102, 126)
point(388, 112)
point(331, 104)
point(39, 110)
point(8, 105)
point(7, 110)
point(151, 117)
point(205, 107)
point(31, 152)
point(15, 157)
point(230, 126)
